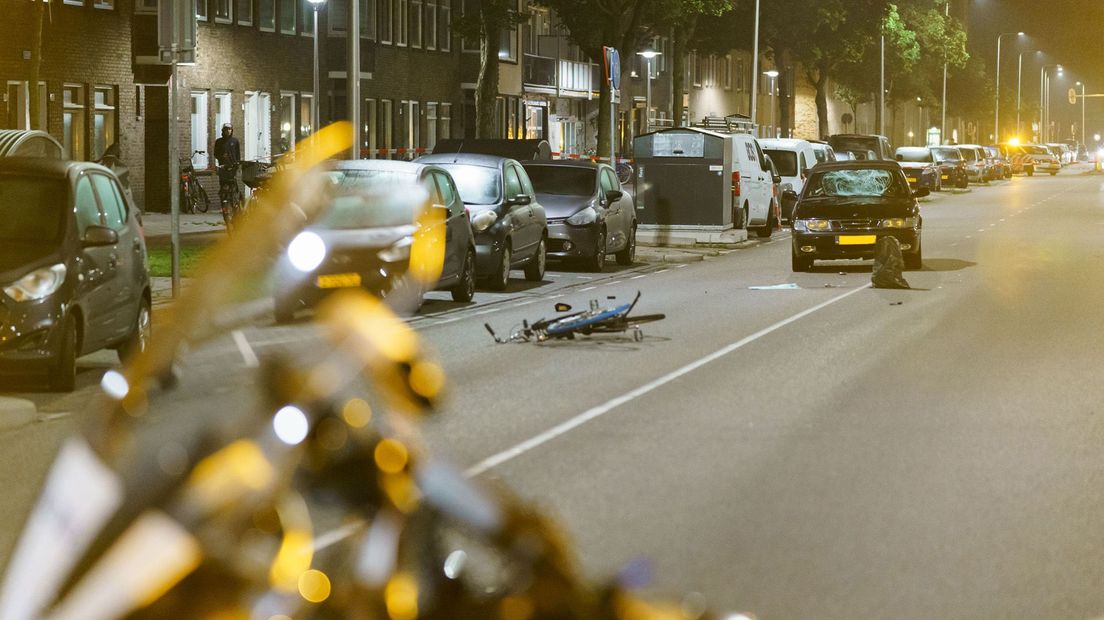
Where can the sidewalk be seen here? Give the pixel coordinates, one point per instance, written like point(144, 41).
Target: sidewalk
point(15, 412)
point(158, 226)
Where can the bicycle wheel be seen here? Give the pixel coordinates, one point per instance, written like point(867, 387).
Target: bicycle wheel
point(203, 202)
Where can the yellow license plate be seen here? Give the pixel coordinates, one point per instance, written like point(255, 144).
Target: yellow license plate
point(339, 280)
point(857, 239)
point(946, 176)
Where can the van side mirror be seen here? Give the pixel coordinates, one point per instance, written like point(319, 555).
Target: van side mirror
point(614, 195)
point(519, 200)
point(98, 236)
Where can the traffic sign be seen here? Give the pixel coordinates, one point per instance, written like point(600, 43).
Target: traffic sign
point(613, 66)
point(1072, 96)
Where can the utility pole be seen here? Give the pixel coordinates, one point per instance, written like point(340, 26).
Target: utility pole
point(353, 77)
point(881, 90)
point(943, 121)
point(755, 70)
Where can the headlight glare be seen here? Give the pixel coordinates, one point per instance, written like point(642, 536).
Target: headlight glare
point(38, 284)
point(584, 217)
point(813, 225)
point(899, 222)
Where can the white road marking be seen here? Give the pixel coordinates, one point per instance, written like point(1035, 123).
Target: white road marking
point(589, 288)
point(248, 356)
point(682, 266)
point(662, 270)
point(643, 275)
point(595, 412)
point(612, 283)
point(523, 303)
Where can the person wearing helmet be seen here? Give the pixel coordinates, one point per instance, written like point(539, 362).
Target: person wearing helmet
point(228, 155)
point(227, 148)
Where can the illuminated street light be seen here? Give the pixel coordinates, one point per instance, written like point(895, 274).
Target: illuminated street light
point(996, 119)
point(648, 55)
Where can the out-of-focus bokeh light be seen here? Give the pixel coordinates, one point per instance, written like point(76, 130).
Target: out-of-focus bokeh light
point(290, 424)
point(292, 560)
point(314, 586)
point(115, 385)
point(427, 254)
point(454, 563)
point(401, 597)
point(391, 456)
point(357, 413)
point(427, 379)
point(306, 251)
point(224, 475)
point(1014, 140)
point(516, 607)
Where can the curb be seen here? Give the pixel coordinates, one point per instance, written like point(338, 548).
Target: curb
point(681, 257)
point(16, 412)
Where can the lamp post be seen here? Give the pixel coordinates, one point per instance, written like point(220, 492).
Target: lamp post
point(943, 110)
point(1043, 99)
point(996, 119)
point(919, 116)
point(1082, 85)
point(755, 69)
point(773, 75)
point(648, 55)
point(317, 6)
point(1019, 82)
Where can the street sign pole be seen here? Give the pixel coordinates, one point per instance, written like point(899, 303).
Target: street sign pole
point(174, 180)
point(613, 78)
point(176, 35)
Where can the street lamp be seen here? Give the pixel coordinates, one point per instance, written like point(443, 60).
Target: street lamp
point(1019, 81)
point(996, 119)
point(1082, 85)
point(317, 6)
point(919, 117)
point(773, 75)
point(648, 55)
point(1044, 99)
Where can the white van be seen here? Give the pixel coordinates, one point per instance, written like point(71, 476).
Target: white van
point(793, 158)
point(752, 186)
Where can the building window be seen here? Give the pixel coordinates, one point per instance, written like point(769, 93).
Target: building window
point(431, 125)
point(726, 72)
point(307, 13)
point(222, 112)
point(104, 4)
point(444, 37)
point(386, 9)
point(224, 12)
point(402, 18)
point(147, 7)
point(103, 120)
point(307, 115)
point(444, 123)
point(386, 124)
point(507, 49)
point(266, 15)
point(465, 44)
point(371, 128)
point(431, 25)
point(409, 125)
point(201, 10)
point(245, 12)
point(368, 19)
point(287, 16)
point(697, 68)
point(199, 130)
point(416, 23)
point(73, 121)
point(74, 2)
point(287, 122)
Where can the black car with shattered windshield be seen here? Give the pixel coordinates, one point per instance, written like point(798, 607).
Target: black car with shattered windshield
point(846, 206)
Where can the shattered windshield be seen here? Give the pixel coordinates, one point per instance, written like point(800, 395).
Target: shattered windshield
point(870, 183)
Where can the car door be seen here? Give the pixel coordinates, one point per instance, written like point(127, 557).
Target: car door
point(97, 268)
point(127, 287)
point(616, 226)
point(457, 228)
point(520, 216)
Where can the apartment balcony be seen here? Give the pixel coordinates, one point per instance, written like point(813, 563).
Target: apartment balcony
point(566, 78)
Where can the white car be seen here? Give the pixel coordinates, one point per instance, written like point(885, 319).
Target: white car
point(824, 151)
point(752, 186)
point(793, 158)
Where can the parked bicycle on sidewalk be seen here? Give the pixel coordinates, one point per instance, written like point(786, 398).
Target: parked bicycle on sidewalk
point(193, 198)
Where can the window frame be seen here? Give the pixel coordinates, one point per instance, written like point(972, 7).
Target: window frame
point(294, 17)
point(105, 5)
point(73, 108)
point(444, 28)
point(260, 20)
point(229, 19)
point(202, 10)
point(431, 25)
point(244, 20)
point(416, 23)
point(401, 18)
point(386, 19)
point(205, 159)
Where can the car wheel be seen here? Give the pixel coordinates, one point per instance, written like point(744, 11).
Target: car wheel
point(597, 262)
point(765, 231)
point(628, 255)
point(465, 288)
point(1053, 172)
point(139, 340)
point(1030, 172)
point(501, 277)
point(915, 260)
point(63, 372)
point(800, 263)
point(534, 271)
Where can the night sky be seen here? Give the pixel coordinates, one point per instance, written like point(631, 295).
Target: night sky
point(1070, 32)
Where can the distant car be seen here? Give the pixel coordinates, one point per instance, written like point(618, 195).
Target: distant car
point(793, 158)
point(824, 151)
point(589, 214)
point(74, 274)
point(952, 168)
point(366, 232)
point(920, 167)
point(1020, 162)
point(1002, 167)
point(511, 227)
point(1061, 151)
point(864, 146)
point(977, 167)
point(847, 206)
point(1043, 159)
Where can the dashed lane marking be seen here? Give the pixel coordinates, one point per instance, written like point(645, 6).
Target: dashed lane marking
point(246, 351)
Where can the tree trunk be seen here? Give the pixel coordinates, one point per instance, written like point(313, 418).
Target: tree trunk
point(822, 104)
point(878, 113)
point(486, 88)
point(680, 36)
point(36, 67)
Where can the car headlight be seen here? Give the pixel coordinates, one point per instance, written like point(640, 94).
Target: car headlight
point(398, 252)
point(812, 225)
point(899, 222)
point(38, 284)
point(584, 217)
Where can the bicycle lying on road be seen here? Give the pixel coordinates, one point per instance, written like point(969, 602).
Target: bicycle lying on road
point(596, 320)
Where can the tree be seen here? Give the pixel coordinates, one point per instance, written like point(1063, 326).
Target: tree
point(485, 21)
point(715, 35)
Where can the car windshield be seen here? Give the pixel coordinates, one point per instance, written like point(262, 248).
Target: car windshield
point(370, 199)
point(563, 180)
point(914, 155)
point(856, 144)
point(948, 154)
point(1035, 150)
point(968, 154)
point(478, 185)
point(785, 161)
point(31, 209)
point(861, 182)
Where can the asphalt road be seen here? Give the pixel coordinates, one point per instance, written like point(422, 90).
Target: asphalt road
point(831, 451)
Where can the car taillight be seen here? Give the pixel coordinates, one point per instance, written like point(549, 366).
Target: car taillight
point(736, 183)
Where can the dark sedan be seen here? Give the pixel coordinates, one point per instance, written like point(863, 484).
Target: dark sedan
point(846, 206)
point(589, 215)
point(73, 269)
point(920, 167)
point(511, 229)
point(363, 238)
point(952, 167)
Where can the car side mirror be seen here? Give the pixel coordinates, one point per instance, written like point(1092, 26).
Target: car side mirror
point(98, 236)
point(789, 194)
point(920, 192)
point(776, 178)
point(519, 201)
point(614, 195)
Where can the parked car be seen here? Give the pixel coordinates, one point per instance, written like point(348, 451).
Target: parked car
point(920, 167)
point(752, 200)
point(977, 169)
point(1002, 167)
point(824, 151)
point(793, 158)
point(1061, 151)
point(73, 268)
point(847, 206)
point(863, 146)
point(511, 228)
point(367, 230)
point(1043, 159)
point(952, 167)
point(1020, 161)
point(589, 214)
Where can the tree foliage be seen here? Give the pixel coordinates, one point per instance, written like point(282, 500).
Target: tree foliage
point(484, 21)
